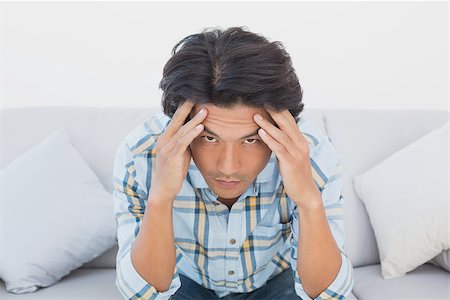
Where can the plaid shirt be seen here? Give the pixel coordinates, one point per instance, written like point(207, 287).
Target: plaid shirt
point(228, 251)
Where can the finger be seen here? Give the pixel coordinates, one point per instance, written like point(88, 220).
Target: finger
point(182, 143)
point(287, 123)
point(279, 150)
point(178, 118)
point(280, 136)
point(197, 119)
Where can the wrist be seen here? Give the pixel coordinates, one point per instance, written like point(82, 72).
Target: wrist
point(159, 200)
point(311, 202)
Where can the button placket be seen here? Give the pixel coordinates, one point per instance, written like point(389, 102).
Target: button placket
point(231, 266)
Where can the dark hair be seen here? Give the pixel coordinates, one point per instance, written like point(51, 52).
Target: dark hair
point(230, 67)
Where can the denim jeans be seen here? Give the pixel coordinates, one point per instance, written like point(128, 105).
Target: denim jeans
point(281, 287)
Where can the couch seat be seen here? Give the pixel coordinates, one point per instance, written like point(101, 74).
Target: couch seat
point(81, 284)
point(427, 282)
point(90, 284)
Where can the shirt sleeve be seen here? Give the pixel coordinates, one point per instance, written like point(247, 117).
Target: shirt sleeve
point(129, 209)
point(333, 200)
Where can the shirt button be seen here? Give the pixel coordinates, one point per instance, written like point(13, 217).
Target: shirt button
point(232, 241)
point(230, 272)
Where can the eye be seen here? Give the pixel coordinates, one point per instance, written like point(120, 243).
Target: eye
point(208, 138)
point(252, 141)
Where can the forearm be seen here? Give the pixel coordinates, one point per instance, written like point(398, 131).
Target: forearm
point(153, 254)
point(319, 258)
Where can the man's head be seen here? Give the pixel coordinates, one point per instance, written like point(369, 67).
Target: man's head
point(233, 73)
point(229, 148)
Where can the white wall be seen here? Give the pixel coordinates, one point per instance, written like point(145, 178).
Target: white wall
point(346, 54)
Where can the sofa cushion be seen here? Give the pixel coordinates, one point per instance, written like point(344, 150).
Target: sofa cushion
point(442, 260)
point(106, 260)
point(98, 284)
point(426, 282)
point(406, 197)
point(363, 138)
point(52, 224)
point(95, 132)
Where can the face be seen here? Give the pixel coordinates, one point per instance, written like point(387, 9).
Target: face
point(230, 148)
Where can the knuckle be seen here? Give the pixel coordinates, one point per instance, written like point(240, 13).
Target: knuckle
point(279, 147)
point(180, 134)
point(160, 152)
point(189, 136)
point(284, 137)
point(182, 131)
point(179, 142)
point(165, 147)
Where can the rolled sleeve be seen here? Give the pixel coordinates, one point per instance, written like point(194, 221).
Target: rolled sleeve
point(342, 285)
point(133, 286)
point(129, 208)
point(340, 288)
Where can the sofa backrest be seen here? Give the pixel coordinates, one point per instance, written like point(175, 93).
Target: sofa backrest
point(362, 138)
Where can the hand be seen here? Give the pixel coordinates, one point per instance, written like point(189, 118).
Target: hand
point(292, 151)
point(173, 154)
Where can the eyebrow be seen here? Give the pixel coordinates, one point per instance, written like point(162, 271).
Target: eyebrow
point(244, 137)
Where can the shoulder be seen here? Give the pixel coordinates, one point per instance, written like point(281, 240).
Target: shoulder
point(323, 154)
point(133, 153)
point(142, 139)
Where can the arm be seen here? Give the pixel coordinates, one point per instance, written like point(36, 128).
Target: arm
point(155, 245)
point(146, 261)
point(322, 269)
point(133, 280)
point(319, 258)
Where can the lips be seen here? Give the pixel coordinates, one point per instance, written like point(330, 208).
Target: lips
point(227, 184)
point(227, 180)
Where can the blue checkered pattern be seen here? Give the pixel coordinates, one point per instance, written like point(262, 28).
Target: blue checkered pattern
point(262, 225)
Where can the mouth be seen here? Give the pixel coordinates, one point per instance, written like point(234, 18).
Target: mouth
point(227, 184)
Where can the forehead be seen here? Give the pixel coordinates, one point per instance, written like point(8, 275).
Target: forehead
point(238, 114)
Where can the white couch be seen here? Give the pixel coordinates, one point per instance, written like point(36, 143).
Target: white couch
point(362, 137)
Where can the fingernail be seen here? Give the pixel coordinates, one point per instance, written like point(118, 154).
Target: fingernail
point(198, 127)
point(201, 111)
point(258, 117)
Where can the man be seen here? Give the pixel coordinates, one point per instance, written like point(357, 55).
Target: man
point(212, 201)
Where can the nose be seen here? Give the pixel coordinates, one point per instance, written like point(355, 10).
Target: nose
point(228, 162)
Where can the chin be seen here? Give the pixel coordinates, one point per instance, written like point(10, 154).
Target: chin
point(228, 193)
